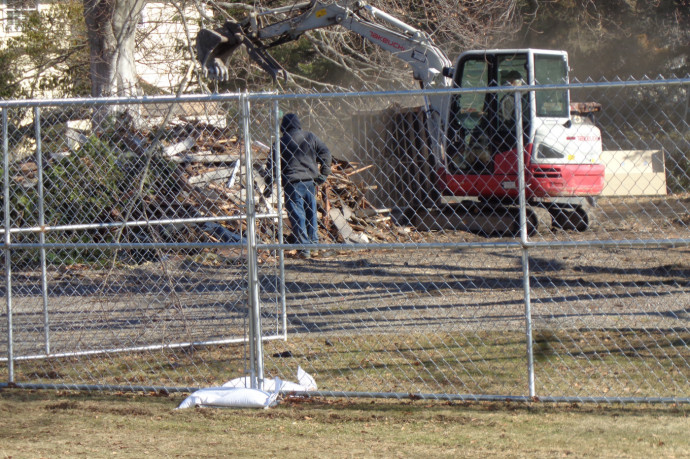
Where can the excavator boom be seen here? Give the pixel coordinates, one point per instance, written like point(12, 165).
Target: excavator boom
point(401, 40)
point(430, 66)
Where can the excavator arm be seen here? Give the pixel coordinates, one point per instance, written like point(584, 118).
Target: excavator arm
point(407, 43)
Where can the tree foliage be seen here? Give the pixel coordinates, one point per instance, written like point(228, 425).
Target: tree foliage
point(604, 38)
point(612, 38)
point(49, 56)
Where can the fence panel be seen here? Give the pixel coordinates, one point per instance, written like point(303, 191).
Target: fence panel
point(431, 310)
point(148, 277)
point(395, 311)
point(131, 271)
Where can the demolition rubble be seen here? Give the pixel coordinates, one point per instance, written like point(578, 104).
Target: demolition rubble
point(206, 181)
point(214, 169)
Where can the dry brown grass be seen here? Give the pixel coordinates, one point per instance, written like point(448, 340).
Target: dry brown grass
point(64, 424)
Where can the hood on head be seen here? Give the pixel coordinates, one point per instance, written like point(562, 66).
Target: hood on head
point(290, 121)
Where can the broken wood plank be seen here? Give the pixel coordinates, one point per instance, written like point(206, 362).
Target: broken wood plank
point(179, 147)
point(219, 174)
point(231, 180)
point(361, 169)
point(206, 159)
point(344, 229)
point(260, 146)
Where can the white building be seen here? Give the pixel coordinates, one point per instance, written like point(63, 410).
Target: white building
point(165, 44)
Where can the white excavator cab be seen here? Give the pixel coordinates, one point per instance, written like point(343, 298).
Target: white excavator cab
point(482, 129)
point(481, 124)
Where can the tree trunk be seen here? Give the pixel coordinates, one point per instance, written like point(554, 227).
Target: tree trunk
point(111, 27)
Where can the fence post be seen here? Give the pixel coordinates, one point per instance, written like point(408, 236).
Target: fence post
point(8, 257)
point(277, 171)
point(41, 224)
point(255, 343)
point(524, 240)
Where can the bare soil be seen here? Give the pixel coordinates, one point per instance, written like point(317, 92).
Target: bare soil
point(609, 282)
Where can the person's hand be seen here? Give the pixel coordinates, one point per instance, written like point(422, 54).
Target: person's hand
point(320, 180)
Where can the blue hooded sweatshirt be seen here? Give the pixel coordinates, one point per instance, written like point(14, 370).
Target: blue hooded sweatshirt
point(303, 155)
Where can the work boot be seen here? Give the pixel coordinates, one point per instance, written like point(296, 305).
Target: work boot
point(304, 254)
point(325, 254)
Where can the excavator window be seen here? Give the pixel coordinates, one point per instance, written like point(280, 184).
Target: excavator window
point(512, 71)
point(482, 124)
point(467, 147)
point(551, 70)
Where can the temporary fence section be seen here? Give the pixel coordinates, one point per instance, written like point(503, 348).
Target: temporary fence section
point(128, 247)
point(141, 252)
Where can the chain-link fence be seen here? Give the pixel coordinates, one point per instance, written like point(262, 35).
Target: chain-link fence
point(138, 258)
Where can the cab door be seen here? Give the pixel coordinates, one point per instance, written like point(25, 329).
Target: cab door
point(480, 142)
point(470, 115)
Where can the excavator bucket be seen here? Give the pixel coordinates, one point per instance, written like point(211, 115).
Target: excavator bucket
point(214, 47)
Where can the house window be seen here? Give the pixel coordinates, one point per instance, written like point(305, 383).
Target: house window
point(16, 11)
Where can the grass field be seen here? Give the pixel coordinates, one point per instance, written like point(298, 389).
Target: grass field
point(575, 364)
point(50, 424)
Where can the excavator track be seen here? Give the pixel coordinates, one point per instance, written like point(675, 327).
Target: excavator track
point(578, 217)
point(489, 221)
point(503, 220)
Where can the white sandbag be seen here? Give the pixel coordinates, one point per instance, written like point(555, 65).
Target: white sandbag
point(305, 380)
point(305, 383)
point(232, 397)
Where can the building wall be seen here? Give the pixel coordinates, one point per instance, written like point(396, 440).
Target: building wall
point(164, 50)
point(165, 47)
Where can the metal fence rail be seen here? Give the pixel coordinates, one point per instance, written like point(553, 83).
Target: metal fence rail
point(141, 254)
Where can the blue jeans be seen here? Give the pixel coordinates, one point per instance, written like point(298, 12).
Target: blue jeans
point(300, 203)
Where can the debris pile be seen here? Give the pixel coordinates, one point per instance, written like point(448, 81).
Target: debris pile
point(214, 173)
point(214, 166)
point(206, 177)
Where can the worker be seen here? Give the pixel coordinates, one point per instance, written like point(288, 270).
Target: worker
point(506, 138)
point(305, 163)
point(507, 108)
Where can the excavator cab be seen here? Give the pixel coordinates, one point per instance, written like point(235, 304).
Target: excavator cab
point(481, 141)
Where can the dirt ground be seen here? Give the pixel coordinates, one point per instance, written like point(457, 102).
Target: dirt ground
point(609, 282)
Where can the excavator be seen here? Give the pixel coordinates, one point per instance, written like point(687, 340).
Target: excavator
point(472, 134)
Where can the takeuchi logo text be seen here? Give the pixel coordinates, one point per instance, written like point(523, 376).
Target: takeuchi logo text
point(387, 41)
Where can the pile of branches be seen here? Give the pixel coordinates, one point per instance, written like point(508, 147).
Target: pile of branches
point(193, 188)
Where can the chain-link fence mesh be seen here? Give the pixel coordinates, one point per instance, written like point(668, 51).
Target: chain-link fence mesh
point(133, 249)
point(129, 242)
